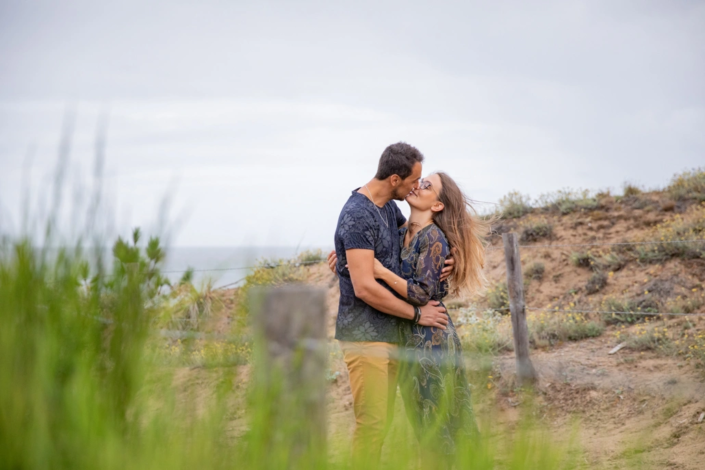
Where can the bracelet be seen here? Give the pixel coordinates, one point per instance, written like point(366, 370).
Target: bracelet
point(417, 315)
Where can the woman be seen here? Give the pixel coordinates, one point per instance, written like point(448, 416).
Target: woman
point(432, 379)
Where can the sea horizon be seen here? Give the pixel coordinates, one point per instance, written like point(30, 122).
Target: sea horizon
point(225, 265)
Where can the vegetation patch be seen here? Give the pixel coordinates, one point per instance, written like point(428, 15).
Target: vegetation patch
point(619, 310)
point(536, 230)
point(207, 353)
point(546, 328)
point(274, 272)
point(514, 205)
point(498, 298)
point(582, 259)
point(686, 304)
point(189, 306)
point(598, 261)
point(688, 185)
point(566, 201)
point(682, 236)
point(535, 271)
point(648, 337)
point(681, 338)
point(630, 189)
point(488, 333)
point(596, 283)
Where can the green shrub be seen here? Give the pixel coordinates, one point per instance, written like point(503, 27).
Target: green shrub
point(688, 185)
point(536, 230)
point(485, 334)
point(630, 189)
point(648, 338)
point(686, 304)
point(269, 272)
point(514, 205)
point(582, 259)
point(683, 236)
point(596, 283)
point(309, 257)
point(566, 201)
point(618, 310)
point(546, 328)
point(498, 298)
point(610, 262)
point(535, 271)
point(190, 306)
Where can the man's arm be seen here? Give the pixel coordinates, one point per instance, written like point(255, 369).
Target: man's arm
point(445, 273)
point(367, 289)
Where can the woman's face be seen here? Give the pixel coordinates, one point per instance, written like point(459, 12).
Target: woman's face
point(425, 197)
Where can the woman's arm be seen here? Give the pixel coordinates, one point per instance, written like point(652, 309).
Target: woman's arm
point(397, 283)
point(426, 279)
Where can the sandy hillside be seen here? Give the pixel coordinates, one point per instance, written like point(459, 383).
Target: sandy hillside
point(648, 399)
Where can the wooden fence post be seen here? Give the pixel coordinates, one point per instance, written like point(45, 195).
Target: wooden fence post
point(515, 289)
point(291, 361)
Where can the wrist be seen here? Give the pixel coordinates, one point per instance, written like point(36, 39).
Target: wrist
point(417, 315)
point(411, 312)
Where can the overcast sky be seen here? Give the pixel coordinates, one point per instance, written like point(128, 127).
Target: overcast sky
point(259, 118)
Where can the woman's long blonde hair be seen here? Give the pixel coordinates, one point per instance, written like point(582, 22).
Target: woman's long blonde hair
point(466, 233)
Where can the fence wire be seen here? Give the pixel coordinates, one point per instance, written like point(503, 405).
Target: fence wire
point(607, 312)
point(566, 245)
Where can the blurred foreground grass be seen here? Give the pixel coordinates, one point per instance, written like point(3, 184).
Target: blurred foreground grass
point(84, 388)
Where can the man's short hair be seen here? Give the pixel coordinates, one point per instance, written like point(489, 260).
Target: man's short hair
point(398, 159)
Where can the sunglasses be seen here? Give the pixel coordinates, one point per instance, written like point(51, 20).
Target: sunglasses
point(425, 184)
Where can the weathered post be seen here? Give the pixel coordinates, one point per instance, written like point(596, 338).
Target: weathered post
point(291, 360)
point(515, 289)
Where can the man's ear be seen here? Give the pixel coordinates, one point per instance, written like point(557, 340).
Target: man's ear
point(395, 180)
point(437, 206)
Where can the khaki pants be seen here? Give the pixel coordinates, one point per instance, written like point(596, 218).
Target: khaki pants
point(373, 369)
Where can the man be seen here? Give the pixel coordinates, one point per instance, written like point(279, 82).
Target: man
point(369, 313)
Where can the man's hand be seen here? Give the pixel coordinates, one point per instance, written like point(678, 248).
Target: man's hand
point(433, 314)
point(447, 270)
point(332, 261)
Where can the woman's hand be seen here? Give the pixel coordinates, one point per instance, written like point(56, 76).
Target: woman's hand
point(447, 271)
point(379, 270)
point(332, 261)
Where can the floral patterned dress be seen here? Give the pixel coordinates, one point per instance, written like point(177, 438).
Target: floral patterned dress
point(432, 377)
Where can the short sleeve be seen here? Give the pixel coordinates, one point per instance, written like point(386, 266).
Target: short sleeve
point(356, 231)
point(426, 281)
point(401, 220)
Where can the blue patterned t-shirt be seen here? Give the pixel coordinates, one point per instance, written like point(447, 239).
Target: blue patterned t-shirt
point(361, 225)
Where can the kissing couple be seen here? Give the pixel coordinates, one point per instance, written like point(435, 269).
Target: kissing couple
point(392, 325)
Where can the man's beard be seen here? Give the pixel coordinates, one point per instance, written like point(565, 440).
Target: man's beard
point(398, 196)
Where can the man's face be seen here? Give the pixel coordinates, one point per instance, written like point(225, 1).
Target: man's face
point(408, 184)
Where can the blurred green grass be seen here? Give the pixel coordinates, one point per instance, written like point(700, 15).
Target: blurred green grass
point(85, 383)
